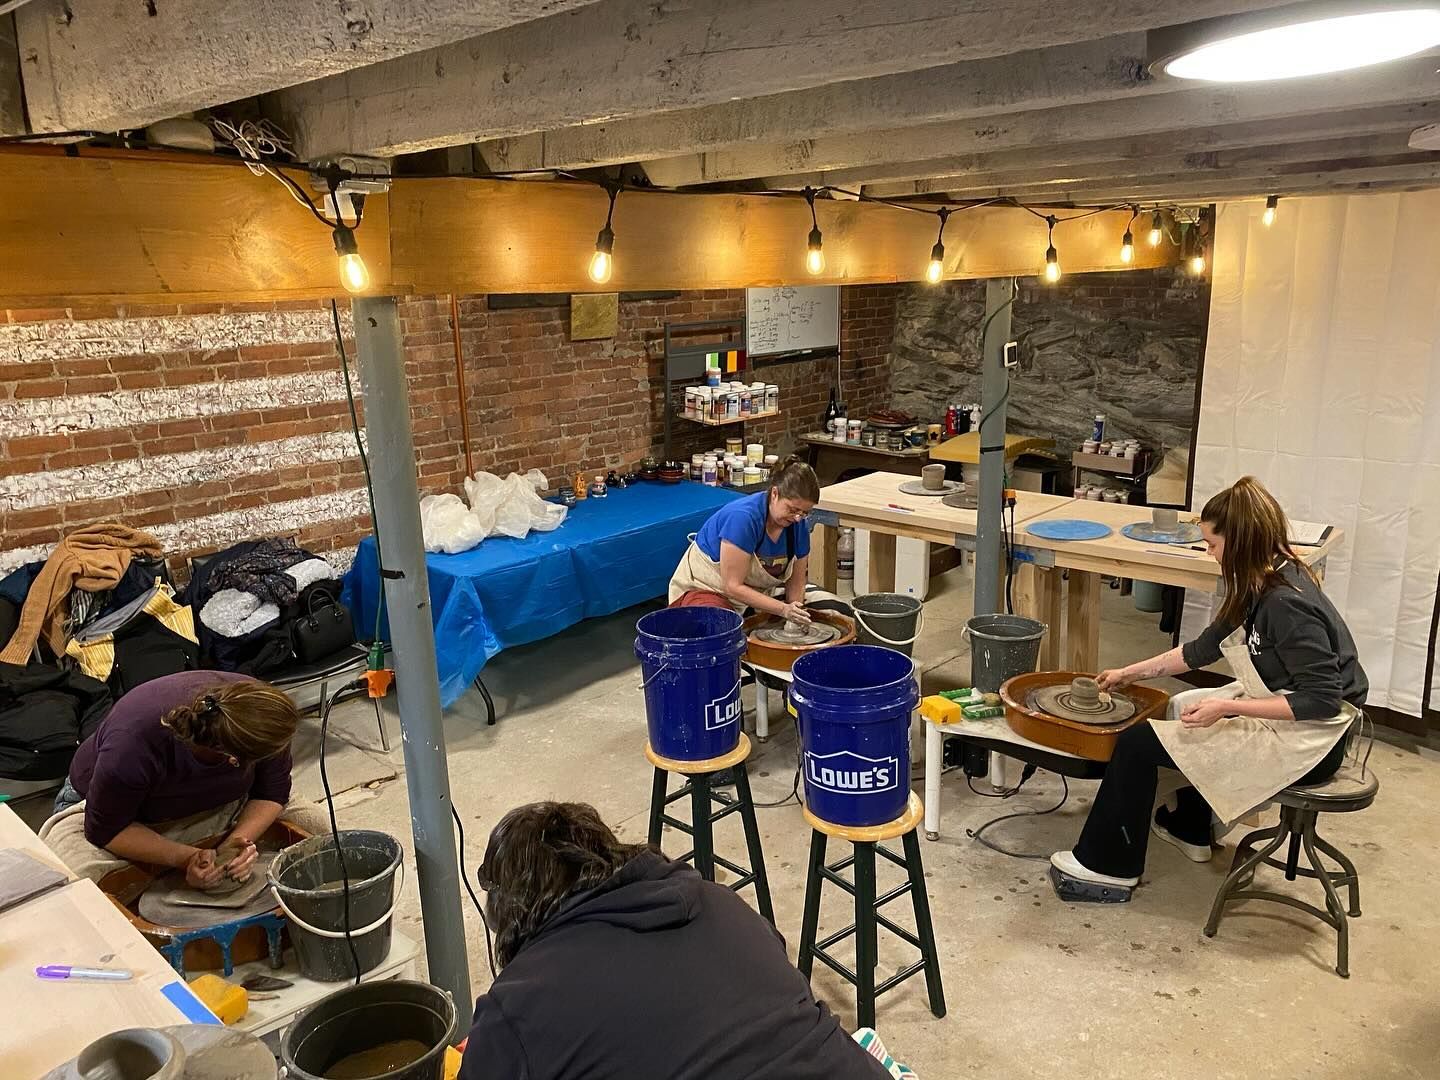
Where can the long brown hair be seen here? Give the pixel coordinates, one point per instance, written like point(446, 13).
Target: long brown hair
point(1257, 541)
point(793, 478)
point(250, 720)
point(538, 856)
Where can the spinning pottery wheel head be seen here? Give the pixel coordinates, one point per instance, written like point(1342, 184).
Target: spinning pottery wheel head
point(776, 644)
point(795, 633)
point(1083, 701)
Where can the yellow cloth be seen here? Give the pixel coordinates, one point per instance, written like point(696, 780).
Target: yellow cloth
point(97, 656)
point(93, 558)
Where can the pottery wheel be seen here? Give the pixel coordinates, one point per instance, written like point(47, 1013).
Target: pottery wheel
point(917, 487)
point(169, 901)
point(963, 500)
point(816, 633)
point(1081, 700)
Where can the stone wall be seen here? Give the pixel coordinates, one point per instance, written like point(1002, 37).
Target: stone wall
point(1126, 344)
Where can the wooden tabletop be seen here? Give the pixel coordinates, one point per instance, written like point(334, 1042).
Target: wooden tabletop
point(14, 833)
point(869, 502)
point(966, 448)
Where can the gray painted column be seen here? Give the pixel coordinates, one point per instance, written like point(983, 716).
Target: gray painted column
point(989, 570)
point(407, 599)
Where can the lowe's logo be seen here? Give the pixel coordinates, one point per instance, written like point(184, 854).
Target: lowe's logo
point(848, 773)
point(723, 711)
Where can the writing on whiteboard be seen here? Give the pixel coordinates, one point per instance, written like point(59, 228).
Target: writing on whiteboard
point(790, 318)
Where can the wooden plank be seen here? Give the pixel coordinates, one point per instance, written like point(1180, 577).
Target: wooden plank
point(871, 497)
point(882, 562)
point(119, 228)
point(1082, 622)
point(966, 448)
point(1037, 596)
point(822, 570)
point(14, 833)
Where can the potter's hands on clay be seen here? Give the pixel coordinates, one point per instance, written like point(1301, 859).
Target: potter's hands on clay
point(796, 613)
point(1206, 711)
point(1114, 679)
point(240, 866)
point(201, 871)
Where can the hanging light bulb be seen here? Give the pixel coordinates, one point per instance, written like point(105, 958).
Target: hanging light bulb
point(1197, 262)
point(602, 263)
point(1268, 217)
point(1127, 248)
point(1156, 232)
point(1052, 257)
point(814, 244)
point(353, 273)
point(935, 272)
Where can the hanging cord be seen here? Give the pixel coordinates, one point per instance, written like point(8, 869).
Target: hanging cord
point(977, 834)
point(795, 781)
point(479, 907)
point(334, 827)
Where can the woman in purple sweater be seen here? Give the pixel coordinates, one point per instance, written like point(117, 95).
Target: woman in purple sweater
point(177, 758)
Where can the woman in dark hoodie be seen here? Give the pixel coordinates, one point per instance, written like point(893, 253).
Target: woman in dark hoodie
point(617, 962)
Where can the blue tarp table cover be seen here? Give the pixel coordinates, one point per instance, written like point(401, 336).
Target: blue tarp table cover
point(609, 554)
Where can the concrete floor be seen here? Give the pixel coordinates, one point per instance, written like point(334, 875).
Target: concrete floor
point(1034, 987)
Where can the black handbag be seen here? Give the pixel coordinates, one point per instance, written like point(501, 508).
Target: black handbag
point(324, 625)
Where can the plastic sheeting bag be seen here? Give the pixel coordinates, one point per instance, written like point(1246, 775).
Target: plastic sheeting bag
point(448, 525)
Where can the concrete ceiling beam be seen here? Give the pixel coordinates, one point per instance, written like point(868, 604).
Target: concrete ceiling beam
point(105, 65)
point(626, 58)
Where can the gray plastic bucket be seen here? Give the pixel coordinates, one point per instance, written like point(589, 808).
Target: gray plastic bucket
point(305, 879)
point(1149, 596)
point(1001, 647)
point(890, 620)
point(364, 1017)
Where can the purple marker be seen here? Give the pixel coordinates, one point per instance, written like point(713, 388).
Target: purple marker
point(66, 971)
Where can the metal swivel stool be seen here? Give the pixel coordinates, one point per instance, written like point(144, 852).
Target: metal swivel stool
point(867, 844)
point(703, 816)
point(1352, 788)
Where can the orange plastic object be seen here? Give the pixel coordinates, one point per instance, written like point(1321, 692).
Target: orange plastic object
point(377, 683)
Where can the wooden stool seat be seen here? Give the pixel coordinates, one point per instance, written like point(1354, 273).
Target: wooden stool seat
point(871, 834)
point(868, 918)
point(701, 792)
point(706, 765)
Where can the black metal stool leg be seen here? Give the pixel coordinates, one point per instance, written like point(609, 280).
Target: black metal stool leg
point(657, 805)
point(1243, 868)
point(489, 702)
point(1292, 860)
point(865, 951)
point(752, 841)
point(1332, 900)
point(814, 880)
point(700, 825)
point(923, 926)
point(1352, 876)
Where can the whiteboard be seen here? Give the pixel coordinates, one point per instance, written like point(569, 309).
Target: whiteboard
point(792, 317)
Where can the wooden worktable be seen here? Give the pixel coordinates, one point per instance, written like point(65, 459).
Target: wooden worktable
point(870, 502)
point(966, 448)
point(831, 460)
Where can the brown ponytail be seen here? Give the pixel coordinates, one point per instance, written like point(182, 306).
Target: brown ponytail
point(250, 720)
point(1257, 539)
point(793, 478)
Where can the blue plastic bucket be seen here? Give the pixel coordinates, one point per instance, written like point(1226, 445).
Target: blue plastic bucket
point(854, 703)
point(690, 660)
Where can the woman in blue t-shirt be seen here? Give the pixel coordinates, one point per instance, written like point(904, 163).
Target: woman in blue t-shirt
point(751, 547)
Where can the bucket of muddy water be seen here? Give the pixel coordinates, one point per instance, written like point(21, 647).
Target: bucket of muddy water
point(396, 1028)
point(1001, 647)
point(891, 620)
point(309, 886)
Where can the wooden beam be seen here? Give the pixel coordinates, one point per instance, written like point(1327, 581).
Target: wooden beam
point(496, 236)
point(1218, 189)
point(111, 64)
point(1037, 79)
point(1392, 84)
point(627, 58)
point(126, 228)
point(935, 177)
point(12, 102)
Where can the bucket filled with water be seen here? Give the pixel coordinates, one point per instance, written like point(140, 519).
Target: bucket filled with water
point(690, 668)
point(393, 1028)
point(854, 704)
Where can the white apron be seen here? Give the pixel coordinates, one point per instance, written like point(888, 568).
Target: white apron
point(698, 571)
point(1240, 762)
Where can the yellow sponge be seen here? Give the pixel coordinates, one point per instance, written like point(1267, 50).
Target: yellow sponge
point(452, 1063)
point(939, 710)
point(226, 1000)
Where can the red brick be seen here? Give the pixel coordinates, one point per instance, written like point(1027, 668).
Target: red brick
point(40, 388)
point(29, 445)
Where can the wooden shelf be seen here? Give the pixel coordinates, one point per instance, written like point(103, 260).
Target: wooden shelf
point(1108, 463)
point(728, 421)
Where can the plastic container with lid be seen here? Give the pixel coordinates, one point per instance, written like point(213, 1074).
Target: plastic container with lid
point(697, 466)
point(732, 404)
point(737, 470)
point(852, 431)
point(709, 475)
point(772, 397)
point(771, 460)
point(746, 401)
point(754, 453)
point(734, 446)
point(752, 474)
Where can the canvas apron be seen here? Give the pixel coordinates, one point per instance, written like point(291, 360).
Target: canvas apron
point(698, 571)
point(1240, 762)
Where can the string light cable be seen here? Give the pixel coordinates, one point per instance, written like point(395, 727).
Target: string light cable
point(1127, 242)
point(935, 271)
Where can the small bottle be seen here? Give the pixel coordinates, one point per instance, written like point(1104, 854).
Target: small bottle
point(580, 486)
point(1098, 432)
point(709, 475)
point(831, 411)
point(949, 426)
point(597, 487)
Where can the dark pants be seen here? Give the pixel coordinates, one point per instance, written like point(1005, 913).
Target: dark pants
point(1117, 831)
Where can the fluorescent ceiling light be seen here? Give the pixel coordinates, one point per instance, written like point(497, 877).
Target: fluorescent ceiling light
point(1294, 41)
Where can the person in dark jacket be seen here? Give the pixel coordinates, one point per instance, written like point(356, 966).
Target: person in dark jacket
point(1284, 720)
point(617, 962)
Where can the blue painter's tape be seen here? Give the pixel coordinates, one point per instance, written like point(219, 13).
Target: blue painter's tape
point(184, 999)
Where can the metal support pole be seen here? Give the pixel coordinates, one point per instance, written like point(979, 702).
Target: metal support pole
point(407, 598)
point(988, 571)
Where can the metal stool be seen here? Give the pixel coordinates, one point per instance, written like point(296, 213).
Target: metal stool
point(866, 841)
point(703, 816)
point(1348, 790)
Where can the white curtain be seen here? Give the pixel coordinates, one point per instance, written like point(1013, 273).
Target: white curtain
point(1322, 378)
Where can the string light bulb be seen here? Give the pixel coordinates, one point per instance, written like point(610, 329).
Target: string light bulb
point(935, 272)
point(1156, 232)
point(1052, 257)
point(1127, 242)
point(1268, 217)
point(1197, 262)
point(814, 243)
point(354, 275)
point(602, 263)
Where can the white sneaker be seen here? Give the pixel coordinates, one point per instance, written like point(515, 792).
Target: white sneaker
point(1067, 864)
point(1193, 852)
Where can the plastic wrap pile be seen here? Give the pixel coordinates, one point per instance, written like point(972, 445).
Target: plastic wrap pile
point(509, 507)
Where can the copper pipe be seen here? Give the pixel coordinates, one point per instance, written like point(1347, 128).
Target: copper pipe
point(460, 385)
